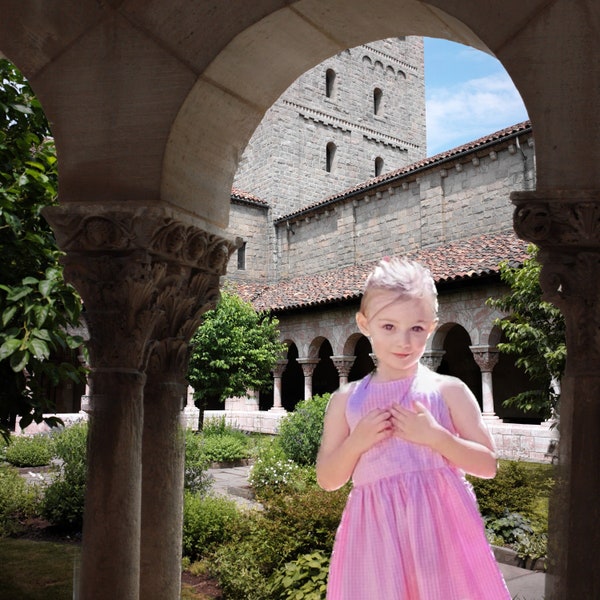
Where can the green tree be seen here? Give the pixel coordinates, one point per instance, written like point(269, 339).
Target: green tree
point(37, 308)
point(234, 350)
point(535, 334)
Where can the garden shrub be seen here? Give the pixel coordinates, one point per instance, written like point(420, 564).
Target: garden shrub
point(196, 477)
point(272, 472)
point(302, 579)
point(511, 490)
point(207, 522)
point(18, 500)
point(224, 448)
point(25, 451)
point(300, 431)
point(290, 526)
point(64, 498)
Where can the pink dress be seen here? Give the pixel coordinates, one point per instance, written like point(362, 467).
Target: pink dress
point(411, 529)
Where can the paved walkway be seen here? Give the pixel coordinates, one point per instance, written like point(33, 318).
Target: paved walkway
point(522, 583)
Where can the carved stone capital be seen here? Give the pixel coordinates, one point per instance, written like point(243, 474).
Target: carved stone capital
point(343, 364)
point(486, 357)
point(279, 368)
point(308, 365)
point(433, 359)
point(569, 218)
point(145, 274)
point(565, 225)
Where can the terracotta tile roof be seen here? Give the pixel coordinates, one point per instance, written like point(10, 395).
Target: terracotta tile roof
point(245, 197)
point(432, 161)
point(454, 261)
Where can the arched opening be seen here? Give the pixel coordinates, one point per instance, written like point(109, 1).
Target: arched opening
point(292, 381)
point(378, 166)
point(330, 152)
point(363, 363)
point(377, 101)
point(325, 376)
point(330, 83)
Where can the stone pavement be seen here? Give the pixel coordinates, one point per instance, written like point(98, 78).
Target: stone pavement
point(523, 584)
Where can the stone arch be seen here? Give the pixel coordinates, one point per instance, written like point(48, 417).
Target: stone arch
point(458, 361)
point(292, 380)
point(325, 378)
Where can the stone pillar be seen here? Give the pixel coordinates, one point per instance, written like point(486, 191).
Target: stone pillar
point(308, 368)
point(343, 364)
point(486, 359)
point(565, 225)
point(192, 262)
point(433, 359)
point(110, 260)
point(278, 370)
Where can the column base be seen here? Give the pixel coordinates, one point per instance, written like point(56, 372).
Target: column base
point(491, 417)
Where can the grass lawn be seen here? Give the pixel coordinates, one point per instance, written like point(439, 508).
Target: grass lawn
point(35, 570)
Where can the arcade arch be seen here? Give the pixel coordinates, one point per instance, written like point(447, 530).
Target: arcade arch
point(151, 105)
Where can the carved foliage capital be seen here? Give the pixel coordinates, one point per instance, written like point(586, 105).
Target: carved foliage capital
point(145, 278)
point(558, 218)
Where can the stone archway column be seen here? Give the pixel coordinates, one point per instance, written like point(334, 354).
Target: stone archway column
point(308, 368)
point(433, 359)
point(110, 261)
point(486, 358)
point(192, 261)
point(565, 225)
point(343, 364)
point(278, 370)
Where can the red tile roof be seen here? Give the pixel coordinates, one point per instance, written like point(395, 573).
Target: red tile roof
point(430, 162)
point(454, 261)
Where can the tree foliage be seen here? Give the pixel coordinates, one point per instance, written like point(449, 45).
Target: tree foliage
point(37, 308)
point(234, 350)
point(535, 334)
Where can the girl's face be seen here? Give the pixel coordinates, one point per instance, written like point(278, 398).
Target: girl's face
point(398, 329)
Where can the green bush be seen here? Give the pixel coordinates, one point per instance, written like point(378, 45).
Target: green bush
point(510, 491)
point(272, 472)
point(290, 526)
point(25, 451)
point(224, 448)
point(207, 522)
point(302, 579)
point(300, 431)
point(196, 477)
point(64, 498)
point(18, 501)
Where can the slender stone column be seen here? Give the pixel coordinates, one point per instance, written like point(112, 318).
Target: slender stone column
point(111, 258)
point(280, 366)
point(193, 262)
point(486, 359)
point(343, 364)
point(433, 359)
point(308, 368)
point(565, 225)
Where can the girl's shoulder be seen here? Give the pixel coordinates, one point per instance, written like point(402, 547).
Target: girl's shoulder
point(447, 385)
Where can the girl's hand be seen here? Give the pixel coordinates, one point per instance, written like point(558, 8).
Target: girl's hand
point(373, 428)
point(418, 425)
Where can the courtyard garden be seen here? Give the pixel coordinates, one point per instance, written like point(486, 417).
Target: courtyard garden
point(279, 550)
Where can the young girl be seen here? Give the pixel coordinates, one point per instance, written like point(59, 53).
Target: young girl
point(411, 529)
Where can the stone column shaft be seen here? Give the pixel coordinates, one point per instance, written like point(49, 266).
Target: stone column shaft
point(308, 368)
point(280, 366)
point(486, 359)
point(565, 225)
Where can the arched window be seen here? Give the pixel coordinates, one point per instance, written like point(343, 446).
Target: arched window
point(330, 86)
point(330, 157)
point(378, 166)
point(377, 96)
point(241, 257)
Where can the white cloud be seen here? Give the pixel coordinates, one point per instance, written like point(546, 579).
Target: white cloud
point(465, 111)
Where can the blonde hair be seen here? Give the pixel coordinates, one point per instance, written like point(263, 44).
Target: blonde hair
point(406, 277)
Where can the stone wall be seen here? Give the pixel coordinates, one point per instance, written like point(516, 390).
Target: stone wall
point(458, 197)
point(285, 160)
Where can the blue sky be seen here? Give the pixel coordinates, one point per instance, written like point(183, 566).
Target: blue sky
point(468, 95)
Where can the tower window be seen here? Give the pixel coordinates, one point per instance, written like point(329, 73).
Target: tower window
point(241, 257)
point(330, 157)
point(377, 96)
point(378, 166)
point(330, 84)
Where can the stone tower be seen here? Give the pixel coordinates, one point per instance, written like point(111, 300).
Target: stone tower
point(357, 115)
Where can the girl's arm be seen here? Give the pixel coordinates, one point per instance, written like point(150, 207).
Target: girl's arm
point(473, 451)
point(340, 449)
